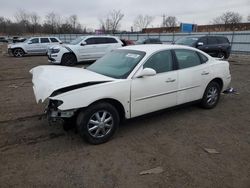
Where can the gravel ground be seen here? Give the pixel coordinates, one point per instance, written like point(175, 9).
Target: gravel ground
point(34, 154)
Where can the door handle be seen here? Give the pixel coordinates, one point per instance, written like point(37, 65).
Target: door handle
point(170, 80)
point(204, 73)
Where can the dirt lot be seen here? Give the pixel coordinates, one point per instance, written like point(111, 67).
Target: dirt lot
point(33, 154)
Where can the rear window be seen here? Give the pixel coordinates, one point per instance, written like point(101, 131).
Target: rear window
point(222, 40)
point(110, 40)
point(53, 40)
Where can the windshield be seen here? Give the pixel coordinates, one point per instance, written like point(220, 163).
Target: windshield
point(189, 41)
point(77, 40)
point(140, 41)
point(117, 64)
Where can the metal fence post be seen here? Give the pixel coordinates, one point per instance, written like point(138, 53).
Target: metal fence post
point(232, 39)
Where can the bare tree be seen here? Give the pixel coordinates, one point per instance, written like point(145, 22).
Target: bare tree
point(21, 16)
point(229, 19)
point(34, 20)
point(23, 20)
point(73, 22)
point(170, 21)
point(112, 22)
point(248, 18)
point(141, 21)
point(52, 22)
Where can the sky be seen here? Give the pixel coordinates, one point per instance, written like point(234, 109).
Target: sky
point(89, 12)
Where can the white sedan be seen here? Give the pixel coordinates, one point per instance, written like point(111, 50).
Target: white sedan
point(129, 82)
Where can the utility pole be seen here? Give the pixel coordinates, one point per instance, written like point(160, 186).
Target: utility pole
point(163, 20)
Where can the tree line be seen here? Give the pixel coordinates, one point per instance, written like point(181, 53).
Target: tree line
point(31, 23)
point(25, 22)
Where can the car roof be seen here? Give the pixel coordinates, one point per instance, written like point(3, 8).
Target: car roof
point(150, 48)
point(99, 36)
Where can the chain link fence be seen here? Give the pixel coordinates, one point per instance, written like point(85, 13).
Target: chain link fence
point(240, 40)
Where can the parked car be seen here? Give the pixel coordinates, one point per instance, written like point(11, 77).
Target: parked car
point(129, 82)
point(34, 45)
point(149, 41)
point(84, 48)
point(18, 39)
point(3, 39)
point(127, 42)
point(216, 46)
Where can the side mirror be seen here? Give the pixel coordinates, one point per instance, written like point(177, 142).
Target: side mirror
point(146, 72)
point(83, 43)
point(200, 44)
point(30, 42)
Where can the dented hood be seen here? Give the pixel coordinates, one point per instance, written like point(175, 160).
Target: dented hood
point(48, 78)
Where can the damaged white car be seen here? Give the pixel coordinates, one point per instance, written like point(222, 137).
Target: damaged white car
point(129, 82)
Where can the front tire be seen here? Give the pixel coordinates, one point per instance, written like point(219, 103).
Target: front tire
point(18, 52)
point(211, 95)
point(68, 59)
point(98, 123)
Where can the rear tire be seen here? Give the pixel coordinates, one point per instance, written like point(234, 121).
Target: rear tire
point(98, 123)
point(221, 55)
point(211, 95)
point(18, 52)
point(68, 59)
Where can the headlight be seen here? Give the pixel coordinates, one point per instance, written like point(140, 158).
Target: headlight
point(55, 50)
point(54, 103)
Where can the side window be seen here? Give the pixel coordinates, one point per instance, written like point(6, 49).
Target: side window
point(160, 62)
point(187, 58)
point(53, 40)
point(204, 59)
point(44, 40)
point(100, 40)
point(91, 41)
point(35, 40)
point(110, 40)
point(212, 40)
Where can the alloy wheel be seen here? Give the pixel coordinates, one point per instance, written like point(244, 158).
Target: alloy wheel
point(212, 96)
point(18, 53)
point(100, 124)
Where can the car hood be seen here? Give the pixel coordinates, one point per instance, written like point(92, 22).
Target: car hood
point(59, 46)
point(48, 79)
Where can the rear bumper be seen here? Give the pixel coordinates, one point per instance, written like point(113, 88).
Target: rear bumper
point(226, 83)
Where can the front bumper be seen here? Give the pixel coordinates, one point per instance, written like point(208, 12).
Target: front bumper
point(53, 113)
point(53, 58)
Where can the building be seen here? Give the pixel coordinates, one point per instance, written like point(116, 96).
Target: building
point(202, 28)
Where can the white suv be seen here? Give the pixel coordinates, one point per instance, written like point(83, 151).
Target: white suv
point(84, 48)
point(34, 45)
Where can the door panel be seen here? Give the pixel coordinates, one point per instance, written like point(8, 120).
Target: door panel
point(34, 47)
point(44, 45)
point(149, 94)
point(192, 83)
point(193, 76)
point(152, 93)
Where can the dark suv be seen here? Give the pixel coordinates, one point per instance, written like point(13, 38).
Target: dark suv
point(216, 46)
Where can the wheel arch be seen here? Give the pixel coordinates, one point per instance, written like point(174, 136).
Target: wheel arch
point(117, 104)
point(69, 53)
point(218, 81)
point(12, 49)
